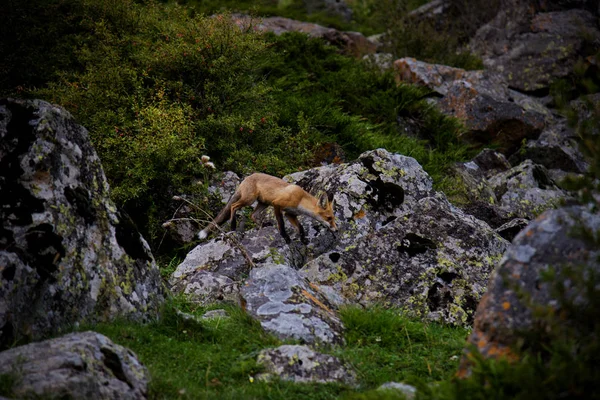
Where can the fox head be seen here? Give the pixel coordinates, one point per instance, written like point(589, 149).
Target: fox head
point(326, 215)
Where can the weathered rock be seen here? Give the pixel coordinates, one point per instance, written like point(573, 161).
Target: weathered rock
point(503, 314)
point(491, 162)
point(289, 307)
point(526, 190)
point(224, 186)
point(473, 180)
point(182, 228)
point(66, 254)
point(557, 147)
point(510, 229)
point(301, 364)
point(83, 366)
point(531, 48)
point(490, 120)
point(487, 212)
point(205, 288)
point(408, 391)
point(354, 43)
point(433, 262)
point(480, 99)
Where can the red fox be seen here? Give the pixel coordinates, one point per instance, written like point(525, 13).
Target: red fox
point(284, 197)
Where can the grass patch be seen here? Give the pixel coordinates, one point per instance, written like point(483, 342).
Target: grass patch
point(216, 358)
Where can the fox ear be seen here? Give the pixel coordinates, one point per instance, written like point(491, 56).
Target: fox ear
point(323, 201)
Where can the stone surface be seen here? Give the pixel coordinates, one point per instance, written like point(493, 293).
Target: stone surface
point(289, 307)
point(84, 366)
point(480, 99)
point(434, 262)
point(66, 254)
point(354, 43)
point(549, 241)
point(510, 229)
point(531, 47)
point(489, 119)
point(526, 190)
point(205, 288)
point(303, 365)
point(557, 147)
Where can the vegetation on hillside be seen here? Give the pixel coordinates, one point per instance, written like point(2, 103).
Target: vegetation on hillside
point(159, 85)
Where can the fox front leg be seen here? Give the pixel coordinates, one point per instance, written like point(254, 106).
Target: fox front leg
point(280, 225)
point(294, 221)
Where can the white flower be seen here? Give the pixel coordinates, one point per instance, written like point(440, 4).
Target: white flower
point(205, 159)
point(209, 165)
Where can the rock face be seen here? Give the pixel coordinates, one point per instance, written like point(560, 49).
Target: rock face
point(398, 243)
point(76, 366)
point(481, 100)
point(549, 241)
point(533, 43)
point(301, 364)
point(433, 262)
point(354, 43)
point(286, 305)
point(66, 254)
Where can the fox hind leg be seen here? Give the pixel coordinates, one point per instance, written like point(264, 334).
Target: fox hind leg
point(280, 225)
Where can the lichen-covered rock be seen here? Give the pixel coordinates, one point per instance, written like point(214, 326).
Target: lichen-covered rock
point(66, 254)
point(369, 192)
point(433, 262)
point(289, 307)
point(532, 48)
point(526, 190)
point(83, 366)
point(301, 364)
point(205, 288)
point(354, 43)
point(549, 241)
point(491, 162)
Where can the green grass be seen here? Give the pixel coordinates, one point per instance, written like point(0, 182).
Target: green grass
point(216, 359)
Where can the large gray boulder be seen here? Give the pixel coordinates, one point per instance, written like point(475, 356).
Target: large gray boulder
point(433, 262)
point(78, 366)
point(66, 254)
point(507, 311)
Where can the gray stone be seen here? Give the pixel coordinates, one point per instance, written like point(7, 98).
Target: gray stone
point(517, 287)
point(532, 48)
point(526, 190)
point(205, 288)
point(84, 366)
point(557, 147)
point(66, 254)
point(433, 262)
point(286, 305)
point(302, 365)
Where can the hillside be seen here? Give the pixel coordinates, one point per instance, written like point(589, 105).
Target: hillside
point(457, 142)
